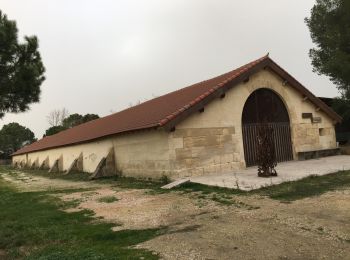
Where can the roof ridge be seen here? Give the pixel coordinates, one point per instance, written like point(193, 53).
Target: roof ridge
point(190, 86)
point(240, 70)
point(159, 111)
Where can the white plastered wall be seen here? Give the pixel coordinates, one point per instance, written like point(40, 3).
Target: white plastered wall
point(140, 154)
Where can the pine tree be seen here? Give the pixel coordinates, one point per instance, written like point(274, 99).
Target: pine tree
point(21, 69)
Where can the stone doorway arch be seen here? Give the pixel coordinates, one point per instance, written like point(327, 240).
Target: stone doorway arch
point(265, 106)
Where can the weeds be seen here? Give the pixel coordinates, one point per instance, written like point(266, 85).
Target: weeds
point(108, 199)
point(164, 179)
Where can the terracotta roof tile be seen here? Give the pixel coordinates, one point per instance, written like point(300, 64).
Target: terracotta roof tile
point(151, 114)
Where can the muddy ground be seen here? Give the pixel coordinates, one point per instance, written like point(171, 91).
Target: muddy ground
point(254, 227)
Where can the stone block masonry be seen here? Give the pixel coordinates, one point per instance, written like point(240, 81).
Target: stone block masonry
point(207, 142)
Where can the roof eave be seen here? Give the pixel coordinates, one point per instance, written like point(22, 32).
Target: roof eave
point(301, 88)
point(266, 62)
point(217, 92)
point(155, 126)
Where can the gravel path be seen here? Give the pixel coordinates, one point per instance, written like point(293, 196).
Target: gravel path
point(199, 228)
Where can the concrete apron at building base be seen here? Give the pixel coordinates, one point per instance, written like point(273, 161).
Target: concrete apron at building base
point(288, 171)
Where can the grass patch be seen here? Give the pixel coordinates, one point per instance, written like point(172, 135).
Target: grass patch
point(307, 187)
point(73, 176)
point(133, 183)
point(229, 201)
point(120, 182)
point(108, 199)
point(285, 192)
point(33, 226)
point(69, 204)
point(222, 200)
point(190, 187)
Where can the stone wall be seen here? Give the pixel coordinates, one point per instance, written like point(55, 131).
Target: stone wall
point(198, 151)
point(211, 142)
point(208, 142)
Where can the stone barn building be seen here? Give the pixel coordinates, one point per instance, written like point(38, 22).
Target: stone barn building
point(206, 128)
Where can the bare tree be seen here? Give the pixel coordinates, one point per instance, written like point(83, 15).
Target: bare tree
point(56, 117)
point(138, 102)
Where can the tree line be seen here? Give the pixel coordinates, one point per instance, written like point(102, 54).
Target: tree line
point(60, 120)
point(14, 136)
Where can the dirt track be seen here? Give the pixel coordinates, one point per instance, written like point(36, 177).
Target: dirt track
point(254, 228)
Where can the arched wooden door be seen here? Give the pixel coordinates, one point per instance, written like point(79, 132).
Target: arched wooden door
point(265, 106)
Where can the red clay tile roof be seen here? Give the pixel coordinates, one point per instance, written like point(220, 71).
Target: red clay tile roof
point(166, 109)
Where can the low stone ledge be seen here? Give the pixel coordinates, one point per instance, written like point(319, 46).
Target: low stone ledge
point(315, 154)
point(175, 183)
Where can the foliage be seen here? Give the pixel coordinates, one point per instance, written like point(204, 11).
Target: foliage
point(329, 26)
point(47, 232)
point(60, 121)
point(56, 117)
point(72, 120)
point(21, 69)
point(77, 119)
point(89, 117)
point(108, 199)
point(54, 130)
point(13, 136)
point(342, 107)
point(165, 179)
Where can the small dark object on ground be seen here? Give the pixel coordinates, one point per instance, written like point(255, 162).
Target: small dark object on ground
point(165, 179)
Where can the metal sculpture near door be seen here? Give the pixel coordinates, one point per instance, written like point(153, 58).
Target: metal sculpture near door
point(266, 151)
point(266, 131)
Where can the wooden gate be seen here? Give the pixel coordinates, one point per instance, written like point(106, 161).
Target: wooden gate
point(265, 107)
point(281, 137)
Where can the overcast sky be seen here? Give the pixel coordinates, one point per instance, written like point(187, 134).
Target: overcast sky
point(102, 55)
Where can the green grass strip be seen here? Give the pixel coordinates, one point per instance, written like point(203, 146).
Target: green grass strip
point(284, 192)
point(33, 226)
